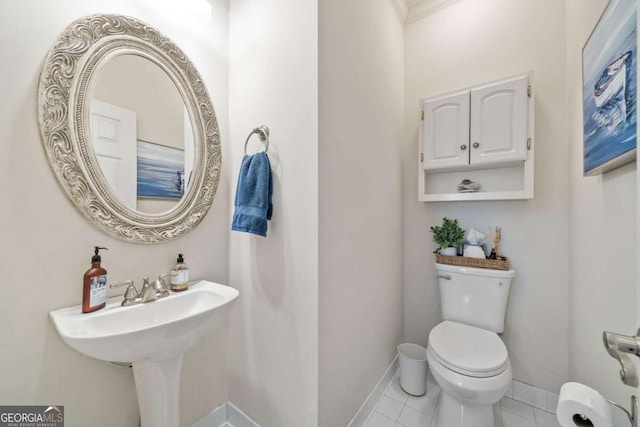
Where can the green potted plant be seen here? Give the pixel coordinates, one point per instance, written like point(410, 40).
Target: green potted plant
point(448, 236)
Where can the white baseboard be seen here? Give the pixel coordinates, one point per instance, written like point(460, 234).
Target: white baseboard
point(237, 418)
point(533, 396)
point(369, 405)
point(217, 418)
point(228, 415)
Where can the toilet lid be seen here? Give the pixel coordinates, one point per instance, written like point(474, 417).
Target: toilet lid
point(468, 350)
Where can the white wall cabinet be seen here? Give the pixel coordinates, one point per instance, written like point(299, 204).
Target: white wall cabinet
point(482, 133)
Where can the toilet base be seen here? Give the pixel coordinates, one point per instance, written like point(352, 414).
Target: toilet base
point(452, 413)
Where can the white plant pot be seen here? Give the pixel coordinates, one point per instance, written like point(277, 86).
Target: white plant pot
point(450, 251)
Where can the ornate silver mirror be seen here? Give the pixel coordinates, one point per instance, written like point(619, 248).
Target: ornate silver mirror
point(129, 129)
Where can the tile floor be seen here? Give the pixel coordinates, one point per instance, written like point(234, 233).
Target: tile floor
point(398, 409)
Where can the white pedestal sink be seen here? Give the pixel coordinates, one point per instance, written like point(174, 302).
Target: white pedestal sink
point(152, 336)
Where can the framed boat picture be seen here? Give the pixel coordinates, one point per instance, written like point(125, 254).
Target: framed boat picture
point(609, 79)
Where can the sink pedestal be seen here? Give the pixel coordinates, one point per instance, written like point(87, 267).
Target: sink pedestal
point(158, 390)
point(153, 337)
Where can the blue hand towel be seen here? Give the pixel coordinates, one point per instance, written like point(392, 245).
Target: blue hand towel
point(253, 206)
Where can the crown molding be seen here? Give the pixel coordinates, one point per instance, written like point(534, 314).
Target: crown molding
point(426, 8)
point(409, 15)
point(401, 9)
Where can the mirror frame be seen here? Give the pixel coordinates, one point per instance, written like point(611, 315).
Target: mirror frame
point(69, 73)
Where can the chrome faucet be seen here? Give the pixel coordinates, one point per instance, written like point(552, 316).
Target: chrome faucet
point(149, 292)
point(131, 296)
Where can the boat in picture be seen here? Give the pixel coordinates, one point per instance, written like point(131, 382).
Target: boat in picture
point(180, 181)
point(612, 81)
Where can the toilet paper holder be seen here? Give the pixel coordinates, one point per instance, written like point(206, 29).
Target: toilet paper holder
point(633, 415)
point(617, 345)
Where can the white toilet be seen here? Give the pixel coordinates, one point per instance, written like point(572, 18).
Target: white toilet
point(466, 356)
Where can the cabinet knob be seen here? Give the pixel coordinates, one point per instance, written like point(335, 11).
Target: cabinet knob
point(476, 144)
point(463, 147)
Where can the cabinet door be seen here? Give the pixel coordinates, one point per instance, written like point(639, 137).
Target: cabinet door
point(499, 114)
point(445, 131)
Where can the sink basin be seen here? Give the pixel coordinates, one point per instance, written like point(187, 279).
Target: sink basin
point(155, 330)
point(152, 336)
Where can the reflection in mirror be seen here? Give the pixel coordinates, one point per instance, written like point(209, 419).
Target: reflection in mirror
point(141, 134)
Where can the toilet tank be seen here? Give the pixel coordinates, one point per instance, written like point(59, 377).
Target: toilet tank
point(474, 296)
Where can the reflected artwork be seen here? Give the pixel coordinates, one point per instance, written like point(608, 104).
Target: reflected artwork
point(160, 171)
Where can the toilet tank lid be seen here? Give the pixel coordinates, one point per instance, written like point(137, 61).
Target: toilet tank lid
point(503, 274)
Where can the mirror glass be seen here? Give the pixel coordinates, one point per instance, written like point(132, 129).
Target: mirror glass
point(141, 134)
point(129, 129)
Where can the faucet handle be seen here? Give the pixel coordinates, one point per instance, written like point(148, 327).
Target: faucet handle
point(148, 291)
point(131, 295)
point(163, 276)
point(161, 287)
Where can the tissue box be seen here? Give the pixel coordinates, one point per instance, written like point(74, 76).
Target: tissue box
point(474, 251)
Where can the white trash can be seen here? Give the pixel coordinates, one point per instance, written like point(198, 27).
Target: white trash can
point(413, 368)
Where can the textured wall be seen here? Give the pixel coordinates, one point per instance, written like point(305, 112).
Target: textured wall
point(361, 114)
point(469, 43)
point(273, 372)
point(46, 244)
point(603, 252)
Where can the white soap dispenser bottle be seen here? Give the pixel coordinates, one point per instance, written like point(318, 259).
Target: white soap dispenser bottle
point(180, 276)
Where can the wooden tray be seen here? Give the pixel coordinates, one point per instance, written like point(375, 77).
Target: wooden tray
point(495, 264)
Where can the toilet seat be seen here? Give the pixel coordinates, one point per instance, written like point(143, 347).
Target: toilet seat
point(468, 350)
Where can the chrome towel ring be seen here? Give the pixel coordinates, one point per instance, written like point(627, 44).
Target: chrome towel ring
point(263, 134)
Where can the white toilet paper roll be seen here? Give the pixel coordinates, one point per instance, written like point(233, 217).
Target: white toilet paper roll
point(580, 405)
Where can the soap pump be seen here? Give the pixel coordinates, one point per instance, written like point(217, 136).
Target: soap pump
point(180, 276)
point(94, 290)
